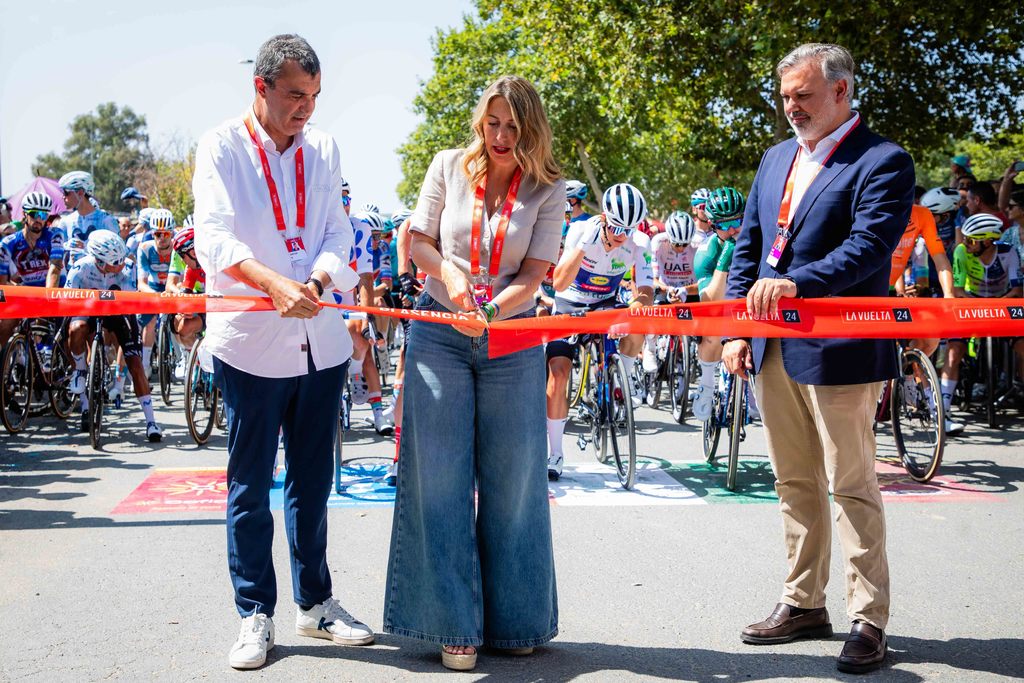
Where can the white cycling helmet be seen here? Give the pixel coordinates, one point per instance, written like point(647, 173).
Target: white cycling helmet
point(983, 226)
point(700, 196)
point(370, 207)
point(680, 228)
point(161, 219)
point(106, 247)
point(37, 201)
point(145, 215)
point(574, 189)
point(344, 186)
point(77, 180)
point(941, 200)
point(371, 217)
point(399, 217)
point(189, 222)
point(623, 206)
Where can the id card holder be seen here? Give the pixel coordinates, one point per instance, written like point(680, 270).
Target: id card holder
point(778, 247)
point(296, 249)
point(482, 292)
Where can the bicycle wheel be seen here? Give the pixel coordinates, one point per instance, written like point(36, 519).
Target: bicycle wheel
point(737, 402)
point(679, 377)
point(165, 359)
point(59, 377)
point(339, 444)
point(918, 416)
point(94, 387)
point(578, 374)
point(711, 428)
point(16, 383)
point(598, 415)
point(619, 427)
point(200, 398)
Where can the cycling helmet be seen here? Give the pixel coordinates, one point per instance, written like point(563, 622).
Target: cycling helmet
point(983, 226)
point(941, 200)
point(370, 207)
point(574, 189)
point(725, 203)
point(95, 202)
point(145, 215)
point(184, 240)
point(400, 216)
point(189, 222)
point(700, 196)
point(106, 247)
point(568, 207)
point(680, 228)
point(162, 219)
point(344, 186)
point(77, 180)
point(37, 201)
point(623, 206)
point(373, 218)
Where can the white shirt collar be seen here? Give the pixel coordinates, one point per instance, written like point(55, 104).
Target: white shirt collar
point(834, 137)
point(268, 142)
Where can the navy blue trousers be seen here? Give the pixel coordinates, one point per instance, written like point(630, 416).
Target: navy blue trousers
point(306, 409)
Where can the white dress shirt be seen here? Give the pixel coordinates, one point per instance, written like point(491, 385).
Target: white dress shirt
point(809, 163)
point(234, 221)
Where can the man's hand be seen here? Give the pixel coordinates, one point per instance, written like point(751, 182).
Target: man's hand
point(737, 357)
point(763, 297)
point(293, 299)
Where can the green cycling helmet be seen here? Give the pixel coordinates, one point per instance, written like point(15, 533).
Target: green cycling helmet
point(725, 203)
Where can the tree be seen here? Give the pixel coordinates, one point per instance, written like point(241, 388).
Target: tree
point(167, 182)
point(112, 143)
point(671, 95)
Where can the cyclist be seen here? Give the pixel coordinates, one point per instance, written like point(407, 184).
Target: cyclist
point(103, 268)
point(943, 203)
point(33, 256)
point(981, 268)
point(672, 254)
point(153, 263)
point(575, 193)
point(186, 276)
point(77, 188)
point(697, 202)
point(598, 253)
point(724, 209)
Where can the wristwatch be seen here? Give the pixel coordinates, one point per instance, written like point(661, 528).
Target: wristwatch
point(316, 283)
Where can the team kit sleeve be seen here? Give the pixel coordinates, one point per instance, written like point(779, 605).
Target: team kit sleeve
point(656, 243)
point(930, 233)
point(642, 273)
point(573, 239)
point(57, 246)
point(960, 266)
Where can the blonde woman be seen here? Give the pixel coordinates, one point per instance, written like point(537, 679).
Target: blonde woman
point(468, 570)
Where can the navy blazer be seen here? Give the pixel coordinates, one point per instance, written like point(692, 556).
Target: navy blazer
point(845, 230)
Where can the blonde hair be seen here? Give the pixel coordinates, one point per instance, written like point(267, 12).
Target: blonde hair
point(533, 145)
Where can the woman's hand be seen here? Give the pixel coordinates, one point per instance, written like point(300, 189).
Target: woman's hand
point(473, 331)
point(457, 284)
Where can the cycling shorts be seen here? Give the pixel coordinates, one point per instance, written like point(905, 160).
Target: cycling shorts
point(125, 329)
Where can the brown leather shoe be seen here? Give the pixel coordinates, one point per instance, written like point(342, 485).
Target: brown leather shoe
point(788, 623)
point(864, 651)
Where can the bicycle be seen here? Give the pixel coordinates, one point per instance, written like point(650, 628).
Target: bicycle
point(99, 381)
point(579, 377)
point(728, 411)
point(166, 356)
point(609, 409)
point(34, 362)
point(913, 403)
point(202, 397)
point(676, 369)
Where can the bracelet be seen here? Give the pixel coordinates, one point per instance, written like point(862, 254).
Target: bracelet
point(316, 283)
point(490, 310)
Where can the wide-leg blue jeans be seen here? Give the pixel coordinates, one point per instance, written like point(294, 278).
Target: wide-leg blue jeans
point(258, 408)
point(471, 558)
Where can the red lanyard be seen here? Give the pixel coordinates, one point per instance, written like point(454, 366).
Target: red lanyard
point(787, 196)
point(300, 182)
point(499, 235)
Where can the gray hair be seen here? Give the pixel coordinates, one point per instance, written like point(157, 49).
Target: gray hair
point(835, 60)
point(275, 52)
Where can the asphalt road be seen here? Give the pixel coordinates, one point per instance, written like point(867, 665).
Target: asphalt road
point(101, 579)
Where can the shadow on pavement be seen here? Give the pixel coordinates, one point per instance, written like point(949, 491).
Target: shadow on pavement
point(23, 520)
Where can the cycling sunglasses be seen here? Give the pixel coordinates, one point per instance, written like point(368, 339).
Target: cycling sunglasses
point(37, 214)
point(729, 224)
point(619, 229)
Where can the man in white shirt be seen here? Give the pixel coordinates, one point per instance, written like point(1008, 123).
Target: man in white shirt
point(269, 221)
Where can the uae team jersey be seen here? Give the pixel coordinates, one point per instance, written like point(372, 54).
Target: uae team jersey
point(992, 280)
point(602, 271)
point(29, 265)
point(672, 268)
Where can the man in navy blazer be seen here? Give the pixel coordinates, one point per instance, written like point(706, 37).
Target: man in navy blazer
point(823, 217)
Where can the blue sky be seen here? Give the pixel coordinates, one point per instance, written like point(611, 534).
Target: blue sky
point(177, 64)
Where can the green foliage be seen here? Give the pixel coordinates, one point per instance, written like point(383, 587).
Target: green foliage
point(673, 95)
point(111, 143)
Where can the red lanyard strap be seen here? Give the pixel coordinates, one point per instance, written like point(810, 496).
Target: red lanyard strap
point(787, 196)
point(300, 182)
point(499, 235)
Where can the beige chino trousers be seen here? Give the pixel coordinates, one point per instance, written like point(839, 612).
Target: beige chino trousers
point(820, 436)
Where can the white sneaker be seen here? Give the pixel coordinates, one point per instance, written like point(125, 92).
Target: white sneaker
point(360, 394)
point(953, 428)
point(330, 620)
point(77, 383)
point(648, 360)
point(179, 368)
point(153, 432)
point(555, 461)
point(382, 424)
point(254, 640)
point(702, 403)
